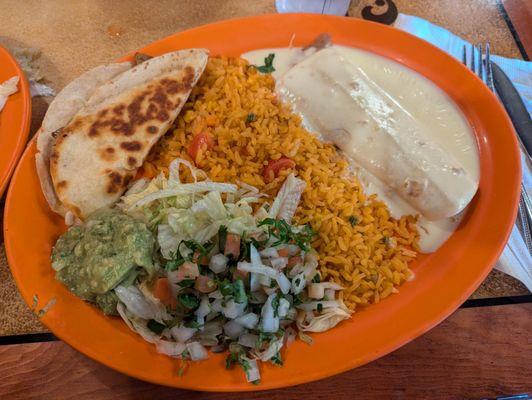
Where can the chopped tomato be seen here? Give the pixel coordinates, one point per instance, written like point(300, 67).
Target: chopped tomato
point(187, 270)
point(204, 284)
point(200, 142)
point(162, 291)
point(199, 259)
point(283, 252)
point(271, 171)
point(295, 260)
point(232, 245)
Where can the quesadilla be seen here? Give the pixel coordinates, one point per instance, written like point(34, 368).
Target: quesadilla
point(95, 151)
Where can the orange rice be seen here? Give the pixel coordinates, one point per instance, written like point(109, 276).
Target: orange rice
point(359, 245)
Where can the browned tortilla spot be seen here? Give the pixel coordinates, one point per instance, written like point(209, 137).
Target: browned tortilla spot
point(152, 129)
point(93, 131)
point(115, 182)
point(131, 146)
point(102, 113)
point(61, 185)
point(119, 110)
point(132, 161)
point(162, 115)
point(108, 153)
point(158, 109)
point(75, 124)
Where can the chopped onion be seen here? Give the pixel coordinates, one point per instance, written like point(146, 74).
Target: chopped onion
point(254, 256)
point(291, 314)
point(171, 349)
point(252, 374)
point(215, 295)
point(233, 329)
point(272, 350)
point(197, 351)
point(298, 283)
point(268, 322)
point(283, 282)
point(289, 335)
point(212, 328)
point(208, 336)
point(265, 280)
point(270, 252)
point(313, 305)
point(219, 348)
point(257, 297)
point(316, 291)
point(279, 262)
point(330, 294)
point(284, 306)
point(249, 320)
point(212, 315)
point(204, 307)
point(261, 269)
point(182, 333)
point(248, 340)
point(217, 305)
point(268, 290)
point(254, 281)
point(233, 309)
point(218, 263)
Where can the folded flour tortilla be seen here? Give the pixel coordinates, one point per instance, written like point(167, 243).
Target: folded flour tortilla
point(100, 128)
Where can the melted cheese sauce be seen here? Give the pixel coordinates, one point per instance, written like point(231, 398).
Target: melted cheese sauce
point(404, 105)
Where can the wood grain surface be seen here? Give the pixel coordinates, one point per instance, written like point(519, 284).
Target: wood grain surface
point(476, 353)
point(520, 15)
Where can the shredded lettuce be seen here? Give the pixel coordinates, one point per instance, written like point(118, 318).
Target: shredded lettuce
point(195, 211)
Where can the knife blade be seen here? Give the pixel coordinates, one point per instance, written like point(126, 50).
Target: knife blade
point(514, 106)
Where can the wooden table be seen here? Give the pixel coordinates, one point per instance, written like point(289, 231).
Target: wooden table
point(483, 350)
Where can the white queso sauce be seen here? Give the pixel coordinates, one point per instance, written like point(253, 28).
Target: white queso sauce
point(409, 143)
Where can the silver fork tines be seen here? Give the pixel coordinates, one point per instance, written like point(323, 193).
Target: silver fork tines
point(481, 66)
point(489, 71)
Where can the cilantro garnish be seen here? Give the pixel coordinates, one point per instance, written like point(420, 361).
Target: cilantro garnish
point(267, 68)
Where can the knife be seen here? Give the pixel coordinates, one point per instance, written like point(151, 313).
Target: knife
point(514, 107)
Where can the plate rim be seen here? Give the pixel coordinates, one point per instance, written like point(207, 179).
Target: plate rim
point(24, 129)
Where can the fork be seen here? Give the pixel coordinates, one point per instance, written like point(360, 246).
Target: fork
point(482, 67)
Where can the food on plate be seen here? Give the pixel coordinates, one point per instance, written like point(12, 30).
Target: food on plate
point(90, 152)
point(359, 245)
point(63, 108)
point(7, 88)
point(352, 111)
point(109, 249)
point(260, 207)
point(191, 266)
point(408, 143)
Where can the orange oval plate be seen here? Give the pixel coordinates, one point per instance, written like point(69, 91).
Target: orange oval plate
point(443, 281)
point(15, 118)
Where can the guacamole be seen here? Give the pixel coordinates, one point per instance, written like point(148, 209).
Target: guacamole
point(109, 247)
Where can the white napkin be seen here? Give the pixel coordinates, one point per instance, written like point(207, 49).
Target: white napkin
point(515, 259)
